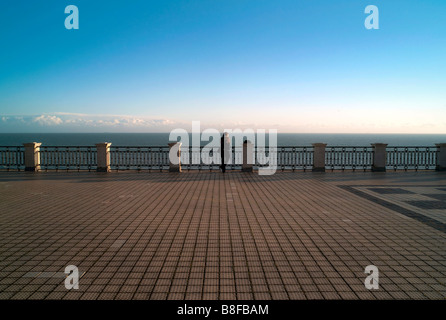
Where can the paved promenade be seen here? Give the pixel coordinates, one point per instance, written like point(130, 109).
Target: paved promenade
point(205, 235)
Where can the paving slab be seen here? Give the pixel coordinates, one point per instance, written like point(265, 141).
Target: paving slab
point(207, 235)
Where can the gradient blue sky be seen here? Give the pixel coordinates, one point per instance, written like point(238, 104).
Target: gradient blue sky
point(293, 65)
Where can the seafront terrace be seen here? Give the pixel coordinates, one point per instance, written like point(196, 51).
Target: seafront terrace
point(208, 235)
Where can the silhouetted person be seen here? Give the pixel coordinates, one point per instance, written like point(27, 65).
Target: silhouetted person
point(225, 145)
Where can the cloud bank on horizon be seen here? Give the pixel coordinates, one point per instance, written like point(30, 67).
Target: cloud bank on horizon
point(66, 122)
point(73, 122)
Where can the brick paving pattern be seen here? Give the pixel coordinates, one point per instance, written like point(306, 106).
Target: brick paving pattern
point(205, 235)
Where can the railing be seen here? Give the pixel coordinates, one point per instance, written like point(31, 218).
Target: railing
point(288, 158)
point(411, 158)
point(68, 158)
point(341, 158)
point(157, 158)
point(292, 158)
point(193, 158)
point(139, 158)
point(12, 158)
point(201, 158)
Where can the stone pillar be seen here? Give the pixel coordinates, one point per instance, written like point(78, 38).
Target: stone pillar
point(379, 157)
point(175, 157)
point(248, 156)
point(103, 156)
point(32, 156)
point(319, 157)
point(441, 157)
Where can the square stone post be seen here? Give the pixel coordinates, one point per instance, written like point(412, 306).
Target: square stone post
point(248, 156)
point(441, 157)
point(32, 156)
point(175, 157)
point(103, 156)
point(379, 157)
point(319, 157)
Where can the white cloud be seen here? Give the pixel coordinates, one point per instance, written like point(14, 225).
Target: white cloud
point(87, 122)
point(73, 122)
point(47, 120)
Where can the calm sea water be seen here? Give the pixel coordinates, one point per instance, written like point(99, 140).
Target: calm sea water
point(161, 139)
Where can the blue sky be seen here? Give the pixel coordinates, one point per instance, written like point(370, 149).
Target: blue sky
point(293, 65)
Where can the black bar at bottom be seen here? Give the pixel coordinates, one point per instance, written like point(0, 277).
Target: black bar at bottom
point(237, 309)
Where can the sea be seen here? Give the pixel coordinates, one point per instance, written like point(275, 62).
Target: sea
point(162, 139)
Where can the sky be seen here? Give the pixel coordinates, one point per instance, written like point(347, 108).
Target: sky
point(291, 65)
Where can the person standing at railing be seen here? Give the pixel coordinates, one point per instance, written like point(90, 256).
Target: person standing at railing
point(225, 145)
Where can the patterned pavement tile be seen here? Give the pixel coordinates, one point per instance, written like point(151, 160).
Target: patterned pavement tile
point(205, 235)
